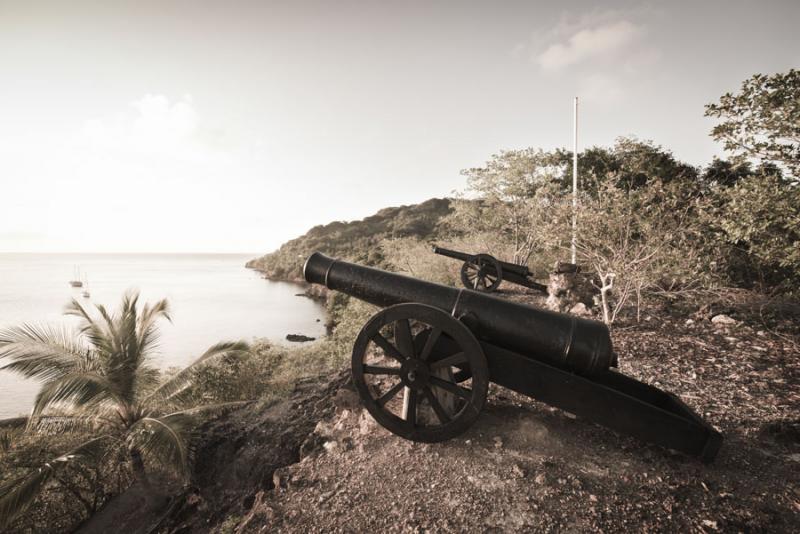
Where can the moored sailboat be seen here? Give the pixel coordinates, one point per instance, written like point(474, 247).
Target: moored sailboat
point(85, 293)
point(76, 278)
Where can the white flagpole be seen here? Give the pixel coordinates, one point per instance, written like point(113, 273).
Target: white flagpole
point(575, 181)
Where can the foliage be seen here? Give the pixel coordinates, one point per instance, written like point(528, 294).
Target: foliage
point(354, 241)
point(515, 189)
point(640, 240)
point(759, 216)
point(629, 164)
point(414, 257)
point(100, 382)
point(77, 489)
point(762, 120)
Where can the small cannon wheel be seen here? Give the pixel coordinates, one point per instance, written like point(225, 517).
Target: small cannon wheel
point(387, 361)
point(481, 272)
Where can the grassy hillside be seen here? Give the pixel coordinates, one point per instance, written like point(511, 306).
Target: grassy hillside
point(356, 240)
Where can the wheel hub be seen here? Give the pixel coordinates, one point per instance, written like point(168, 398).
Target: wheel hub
point(414, 373)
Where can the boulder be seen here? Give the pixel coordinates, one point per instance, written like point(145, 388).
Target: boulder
point(724, 320)
point(580, 309)
point(299, 338)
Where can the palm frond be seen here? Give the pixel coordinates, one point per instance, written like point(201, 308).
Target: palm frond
point(18, 494)
point(61, 423)
point(95, 332)
point(80, 389)
point(148, 332)
point(165, 440)
point(110, 328)
point(42, 352)
point(183, 380)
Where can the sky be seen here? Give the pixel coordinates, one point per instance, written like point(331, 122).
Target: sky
point(234, 126)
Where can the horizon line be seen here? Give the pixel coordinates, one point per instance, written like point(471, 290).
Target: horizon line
point(130, 252)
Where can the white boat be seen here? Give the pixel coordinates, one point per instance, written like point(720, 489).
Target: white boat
point(85, 291)
point(76, 278)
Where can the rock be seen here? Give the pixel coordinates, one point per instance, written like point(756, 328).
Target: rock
point(299, 338)
point(580, 309)
point(689, 322)
point(563, 267)
point(723, 319)
point(518, 471)
point(540, 479)
point(347, 399)
point(565, 290)
point(311, 445)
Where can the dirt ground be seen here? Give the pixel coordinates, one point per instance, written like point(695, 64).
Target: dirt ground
point(527, 467)
point(318, 463)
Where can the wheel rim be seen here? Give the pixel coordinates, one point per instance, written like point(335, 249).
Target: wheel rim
point(481, 272)
point(404, 375)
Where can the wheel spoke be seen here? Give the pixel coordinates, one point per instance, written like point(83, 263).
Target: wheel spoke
point(433, 337)
point(455, 359)
point(411, 407)
point(387, 347)
point(464, 393)
point(402, 336)
point(389, 395)
point(376, 370)
point(441, 413)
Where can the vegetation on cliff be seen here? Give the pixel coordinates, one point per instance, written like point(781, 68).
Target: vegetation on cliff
point(355, 240)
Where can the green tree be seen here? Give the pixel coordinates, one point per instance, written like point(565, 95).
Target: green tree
point(507, 201)
point(760, 216)
point(762, 120)
point(101, 382)
point(630, 164)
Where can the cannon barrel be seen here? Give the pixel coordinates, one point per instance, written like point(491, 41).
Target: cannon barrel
point(507, 267)
point(567, 341)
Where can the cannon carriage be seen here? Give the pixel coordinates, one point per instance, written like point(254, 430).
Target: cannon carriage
point(422, 365)
point(483, 272)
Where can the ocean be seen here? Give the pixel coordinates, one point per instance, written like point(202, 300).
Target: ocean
point(213, 298)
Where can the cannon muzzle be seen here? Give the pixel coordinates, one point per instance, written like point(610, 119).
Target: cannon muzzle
point(569, 342)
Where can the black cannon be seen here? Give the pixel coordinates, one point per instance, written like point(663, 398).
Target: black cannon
point(442, 346)
point(483, 272)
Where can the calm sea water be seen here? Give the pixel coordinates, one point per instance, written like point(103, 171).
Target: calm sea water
point(213, 298)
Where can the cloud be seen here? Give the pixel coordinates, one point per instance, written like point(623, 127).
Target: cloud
point(589, 43)
point(601, 88)
point(156, 124)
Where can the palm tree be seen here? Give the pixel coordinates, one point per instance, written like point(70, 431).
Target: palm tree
point(101, 381)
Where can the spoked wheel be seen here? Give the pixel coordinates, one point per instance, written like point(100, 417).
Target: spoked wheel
point(409, 387)
point(481, 272)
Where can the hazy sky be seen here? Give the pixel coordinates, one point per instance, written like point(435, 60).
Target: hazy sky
point(234, 126)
